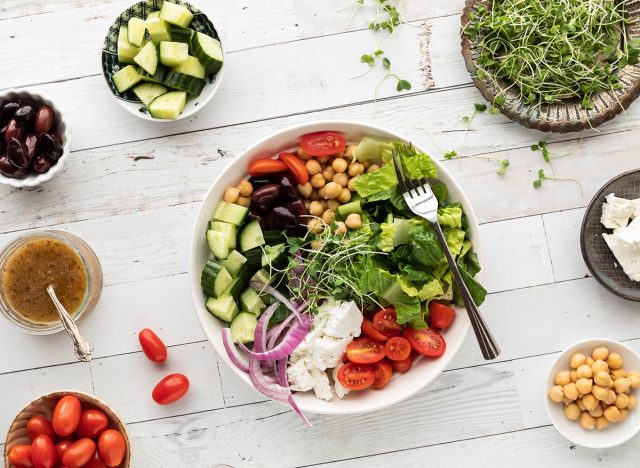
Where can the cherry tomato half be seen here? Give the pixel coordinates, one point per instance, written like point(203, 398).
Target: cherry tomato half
point(152, 345)
point(427, 342)
point(62, 447)
point(383, 372)
point(297, 167)
point(20, 456)
point(322, 143)
point(404, 365)
point(266, 166)
point(440, 315)
point(369, 330)
point(365, 351)
point(170, 389)
point(397, 348)
point(39, 425)
point(92, 423)
point(43, 452)
point(66, 415)
point(356, 376)
point(385, 322)
point(111, 447)
point(79, 453)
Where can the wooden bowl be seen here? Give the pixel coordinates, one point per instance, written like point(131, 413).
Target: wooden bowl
point(43, 406)
point(567, 115)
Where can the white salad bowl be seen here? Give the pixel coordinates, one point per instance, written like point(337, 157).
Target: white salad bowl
point(401, 386)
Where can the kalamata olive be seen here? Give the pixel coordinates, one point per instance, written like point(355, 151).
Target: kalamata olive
point(9, 170)
point(259, 182)
point(30, 143)
point(14, 130)
point(25, 115)
point(266, 196)
point(56, 136)
point(261, 219)
point(49, 146)
point(17, 154)
point(297, 208)
point(41, 164)
point(44, 120)
point(7, 111)
point(288, 187)
point(285, 217)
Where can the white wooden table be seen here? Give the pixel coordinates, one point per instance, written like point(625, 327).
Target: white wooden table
point(131, 190)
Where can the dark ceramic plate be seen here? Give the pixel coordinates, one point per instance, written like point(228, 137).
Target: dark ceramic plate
point(599, 259)
point(568, 115)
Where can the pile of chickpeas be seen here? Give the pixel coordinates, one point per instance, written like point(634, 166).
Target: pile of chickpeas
point(240, 195)
point(331, 185)
point(596, 390)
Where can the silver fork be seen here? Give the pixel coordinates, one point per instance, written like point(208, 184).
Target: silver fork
point(425, 204)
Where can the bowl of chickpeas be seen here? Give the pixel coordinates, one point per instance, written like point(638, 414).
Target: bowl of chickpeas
point(592, 393)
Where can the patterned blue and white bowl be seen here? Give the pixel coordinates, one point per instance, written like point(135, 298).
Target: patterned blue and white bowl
point(110, 65)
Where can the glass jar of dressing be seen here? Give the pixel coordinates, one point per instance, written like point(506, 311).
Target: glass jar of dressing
point(33, 261)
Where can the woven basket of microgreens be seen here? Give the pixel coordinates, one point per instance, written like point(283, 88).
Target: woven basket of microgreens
point(554, 65)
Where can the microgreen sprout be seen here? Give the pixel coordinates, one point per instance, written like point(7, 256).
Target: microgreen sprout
point(504, 163)
point(542, 177)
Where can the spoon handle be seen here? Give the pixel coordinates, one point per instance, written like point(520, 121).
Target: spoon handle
point(82, 347)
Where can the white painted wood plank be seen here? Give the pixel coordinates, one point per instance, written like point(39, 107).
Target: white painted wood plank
point(563, 234)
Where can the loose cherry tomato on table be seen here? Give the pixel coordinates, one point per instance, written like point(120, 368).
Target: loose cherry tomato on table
point(92, 423)
point(385, 322)
point(79, 453)
point(369, 330)
point(152, 345)
point(39, 425)
point(397, 348)
point(111, 447)
point(43, 452)
point(322, 143)
point(365, 351)
point(356, 376)
point(170, 389)
point(62, 447)
point(20, 456)
point(297, 167)
point(440, 315)
point(66, 415)
point(383, 372)
point(404, 365)
point(427, 342)
point(266, 166)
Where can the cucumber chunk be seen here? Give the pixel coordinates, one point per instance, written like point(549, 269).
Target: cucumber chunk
point(136, 29)
point(225, 227)
point(153, 14)
point(208, 278)
point(147, 58)
point(262, 276)
point(147, 92)
point(173, 53)
point(176, 14)
point(234, 262)
point(251, 236)
point(348, 208)
point(254, 258)
point(219, 243)
point(222, 282)
point(126, 51)
point(126, 78)
point(192, 67)
point(274, 257)
point(235, 288)
point(224, 307)
point(243, 327)
point(159, 77)
point(251, 302)
point(186, 83)
point(230, 213)
point(273, 237)
point(169, 105)
point(179, 34)
point(158, 29)
point(208, 51)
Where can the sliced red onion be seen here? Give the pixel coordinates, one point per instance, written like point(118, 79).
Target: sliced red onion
point(292, 338)
point(232, 351)
point(266, 385)
point(275, 332)
point(275, 293)
point(298, 411)
point(281, 372)
point(260, 336)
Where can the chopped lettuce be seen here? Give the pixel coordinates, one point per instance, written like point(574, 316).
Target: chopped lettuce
point(426, 248)
point(387, 287)
point(394, 234)
point(373, 149)
point(455, 240)
point(376, 182)
point(427, 291)
point(450, 216)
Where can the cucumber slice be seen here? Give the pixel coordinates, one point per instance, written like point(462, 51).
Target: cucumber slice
point(262, 276)
point(126, 51)
point(136, 29)
point(153, 14)
point(235, 288)
point(158, 29)
point(274, 257)
point(208, 50)
point(234, 262)
point(225, 227)
point(208, 278)
point(147, 58)
point(169, 105)
point(192, 67)
point(243, 327)
point(230, 213)
point(254, 258)
point(147, 92)
point(186, 83)
point(126, 78)
point(159, 77)
point(179, 34)
point(348, 208)
point(223, 280)
point(219, 243)
point(224, 307)
point(251, 302)
point(176, 14)
point(173, 53)
point(251, 236)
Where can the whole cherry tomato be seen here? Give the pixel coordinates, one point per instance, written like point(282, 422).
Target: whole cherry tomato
point(95, 462)
point(111, 447)
point(62, 447)
point(39, 425)
point(43, 452)
point(152, 345)
point(66, 415)
point(92, 423)
point(404, 365)
point(20, 456)
point(170, 389)
point(79, 453)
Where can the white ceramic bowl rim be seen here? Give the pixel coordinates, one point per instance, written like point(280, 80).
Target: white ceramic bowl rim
point(393, 393)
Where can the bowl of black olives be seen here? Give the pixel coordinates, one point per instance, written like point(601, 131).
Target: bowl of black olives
point(34, 141)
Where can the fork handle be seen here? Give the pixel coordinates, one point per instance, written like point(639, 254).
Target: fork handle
point(487, 342)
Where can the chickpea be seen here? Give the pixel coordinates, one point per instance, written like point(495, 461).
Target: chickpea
point(634, 377)
point(350, 184)
point(339, 165)
point(317, 180)
point(633, 402)
point(580, 404)
point(570, 390)
point(323, 159)
point(345, 196)
point(348, 152)
point(573, 375)
point(322, 193)
point(603, 379)
point(315, 208)
point(367, 163)
point(587, 421)
point(342, 229)
point(305, 190)
point(302, 155)
point(589, 361)
point(622, 401)
point(556, 393)
point(614, 361)
point(315, 244)
point(612, 414)
point(584, 372)
point(328, 216)
point(597, 411)
point(245, 187)
point(244, 201)
point(313, 166)
point(339, 155)
point(584, 386)
point(572, 411)
point(373, 168)
point(599, 365)
point(601, 393)
point(354, 221)
point(332, 190)
point(577, 360)
point(601, 423)
point(622, 385)
point(623, 414)
point(315, 226)
point(600, 354)
point(356, 169)
point(341, 179)
point(328, 173)
point(590, 402)
point(332, 204)
point(231, 195)
point(562, 378)
point(618, 373)
point(611, 399)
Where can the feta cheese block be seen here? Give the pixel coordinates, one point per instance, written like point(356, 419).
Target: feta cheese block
point(625, 245)
point(616, 211)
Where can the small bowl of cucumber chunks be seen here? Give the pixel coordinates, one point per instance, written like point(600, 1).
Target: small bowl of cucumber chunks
point(162, 60)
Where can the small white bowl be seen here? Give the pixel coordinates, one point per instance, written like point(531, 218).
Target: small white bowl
point(34, 97)
point(616, 433)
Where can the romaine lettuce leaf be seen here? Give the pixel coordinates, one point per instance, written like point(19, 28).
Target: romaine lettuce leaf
point(387, 287)
point(394, 234)
point(427, 291)
point(375, 182)
point(455, 239)
point(373, 149)
point(426, 249)
point(450, 216)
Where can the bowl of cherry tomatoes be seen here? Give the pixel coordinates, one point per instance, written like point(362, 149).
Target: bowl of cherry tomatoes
point(67, 428)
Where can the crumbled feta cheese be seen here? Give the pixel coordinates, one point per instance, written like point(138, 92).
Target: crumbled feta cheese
point(345, 321)
point(327, 351)
point(625, 240)
point(300, 378)
point(321, 387)
point(617, 211)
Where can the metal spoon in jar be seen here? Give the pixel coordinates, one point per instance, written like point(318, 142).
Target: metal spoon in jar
point(82, 347)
